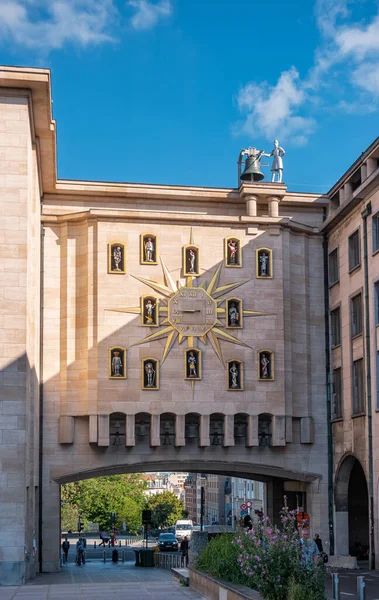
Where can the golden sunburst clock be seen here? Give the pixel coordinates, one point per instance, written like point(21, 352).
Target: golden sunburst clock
point(191, 312)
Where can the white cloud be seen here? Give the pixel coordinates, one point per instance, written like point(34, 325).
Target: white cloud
point(271, 110)
point(359, 41)
point(48, 24)
point(346, 60)
point(366, 77)
point(147, 14)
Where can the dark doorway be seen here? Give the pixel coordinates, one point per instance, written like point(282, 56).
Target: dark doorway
point(358, 513)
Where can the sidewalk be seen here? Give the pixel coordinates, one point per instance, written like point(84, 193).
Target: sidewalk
point(98, 581)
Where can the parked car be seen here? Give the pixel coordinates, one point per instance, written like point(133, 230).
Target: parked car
point(167, 541)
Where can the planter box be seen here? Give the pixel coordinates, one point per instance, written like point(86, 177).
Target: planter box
point(215, 589)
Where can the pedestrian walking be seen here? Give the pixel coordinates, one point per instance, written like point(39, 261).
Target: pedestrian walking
point(65, 548)
point(184, 550)
point(309, 549)
point(318, 542)
point(80, 556)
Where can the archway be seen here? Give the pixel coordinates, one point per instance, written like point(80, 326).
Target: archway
point(352, 509)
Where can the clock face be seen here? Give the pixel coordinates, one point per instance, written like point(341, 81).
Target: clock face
point(192, 311)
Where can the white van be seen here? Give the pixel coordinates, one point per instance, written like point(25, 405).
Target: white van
point(183, 528)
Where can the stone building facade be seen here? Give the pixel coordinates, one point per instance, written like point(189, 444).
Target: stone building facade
point(208, 392)
point(352, 234)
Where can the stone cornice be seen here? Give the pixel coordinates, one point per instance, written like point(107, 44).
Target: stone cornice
point(173, 217)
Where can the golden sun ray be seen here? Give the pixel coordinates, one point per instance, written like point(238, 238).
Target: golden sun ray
point(171, 339)
point(213, 340)
point(255, 313)
point(154, 285)
point(228, 338)
point(228, 288)
point(214, 280)
point(155, 336)
point(136, 310)
point(168, 278)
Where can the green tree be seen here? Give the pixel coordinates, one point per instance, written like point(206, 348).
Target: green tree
point(95, 499)
point(166, 509)
point(69, 517)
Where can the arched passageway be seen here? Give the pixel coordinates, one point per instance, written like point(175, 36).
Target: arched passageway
point(352, 509)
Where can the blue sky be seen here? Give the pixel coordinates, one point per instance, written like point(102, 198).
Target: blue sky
point(169, 91)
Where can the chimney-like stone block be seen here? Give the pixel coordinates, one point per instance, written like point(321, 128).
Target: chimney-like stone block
point(307, 434)
point(130, 438)
point(66, 429)
point(103, 430)
point(278, 431)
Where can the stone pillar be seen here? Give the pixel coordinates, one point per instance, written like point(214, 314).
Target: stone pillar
point(66, 429)
point(180, 436)
point(199, 541)
point(252, 431)
point(130, 438)
point(155, 430)
point(341, 532)
point(251, 206)
point(204, 431)
point(103, 430)
point(278, 431)
point(51, 527)
point(20, 344)
point(275, 499)
point(273, 206)
point(347, 191)
point(92, 436)
point(372, 165)
point(306, 430)
point(229, 430)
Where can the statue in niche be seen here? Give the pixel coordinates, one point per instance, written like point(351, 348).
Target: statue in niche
point(234, 376)
point(149, 375)
point(233, 314)
point(116, 364)
point(117, 258)
point(232, 253)
point(265, 365)
point(263, 264)
point(192, 259)
point(192, 364)
point(149, 312)
point(149, 250)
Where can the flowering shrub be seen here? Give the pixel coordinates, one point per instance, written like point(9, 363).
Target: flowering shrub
point(220, 560)
point(272, 558)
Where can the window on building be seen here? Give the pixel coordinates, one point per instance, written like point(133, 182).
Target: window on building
point(375, 232)
point(335, 323)
point(356, 315)
point(354, 253)
point(337, 394)
point(358, 387)
point(376, 288)
point(333, 267)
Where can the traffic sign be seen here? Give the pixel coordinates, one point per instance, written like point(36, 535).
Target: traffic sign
point(249, 504)
point(243, 513)
point(243, 506)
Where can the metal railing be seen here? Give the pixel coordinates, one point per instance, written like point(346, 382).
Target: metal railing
point(169, 561)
